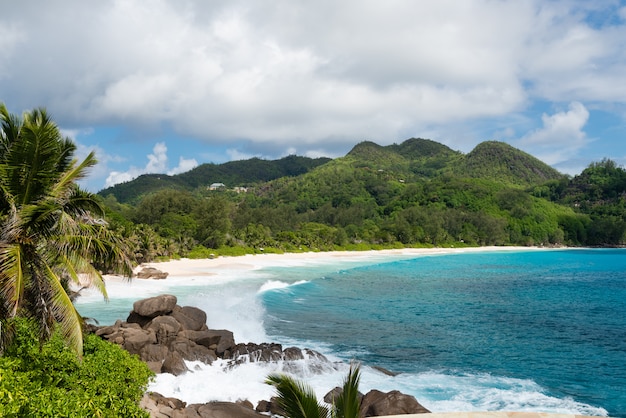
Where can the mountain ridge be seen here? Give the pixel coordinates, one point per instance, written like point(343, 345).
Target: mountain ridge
point(412, 159)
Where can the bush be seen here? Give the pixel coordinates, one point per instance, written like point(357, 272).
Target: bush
point(50, 381)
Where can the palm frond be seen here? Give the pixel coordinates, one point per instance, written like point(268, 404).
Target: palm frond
point(12, 277)
point(10, 126)
point(348, 403)
point(297, 399)
point(73, 173)
point(65, 313)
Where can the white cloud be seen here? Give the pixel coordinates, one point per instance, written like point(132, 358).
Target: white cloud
point(236, 155)
point(275, 72)
point(157, 164)
point(157, 161)
point(561, 135)
point(184, 165)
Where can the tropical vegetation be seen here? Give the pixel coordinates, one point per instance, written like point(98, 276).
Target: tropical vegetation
point(417, 193)
point(298, 400)
point(49, 380)
point(52, 233)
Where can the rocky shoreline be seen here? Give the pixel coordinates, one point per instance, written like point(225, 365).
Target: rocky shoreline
point(165, 335)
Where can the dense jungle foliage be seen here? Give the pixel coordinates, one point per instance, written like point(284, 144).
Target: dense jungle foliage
point(417, 193)
point(49, 380)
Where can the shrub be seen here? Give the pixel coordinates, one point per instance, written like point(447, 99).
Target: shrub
point(51, 381)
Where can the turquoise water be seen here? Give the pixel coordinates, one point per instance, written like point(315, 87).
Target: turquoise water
point(525, 330)
point(553, 318)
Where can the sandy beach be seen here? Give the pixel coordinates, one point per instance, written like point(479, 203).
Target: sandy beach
point(208, 267)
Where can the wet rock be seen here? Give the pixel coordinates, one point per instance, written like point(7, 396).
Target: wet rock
point(174, 364)
point(191, 351)
point(224, 340)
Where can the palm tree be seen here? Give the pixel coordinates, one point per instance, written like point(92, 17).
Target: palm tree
point(51, 231)
point(298, 400)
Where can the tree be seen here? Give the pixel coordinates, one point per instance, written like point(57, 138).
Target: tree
point(51, 231)
point(299, 401)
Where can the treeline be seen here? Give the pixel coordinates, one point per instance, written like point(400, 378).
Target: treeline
point(350, 203)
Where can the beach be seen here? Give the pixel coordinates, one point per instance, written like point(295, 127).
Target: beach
point(356, 305)
point(211, 267)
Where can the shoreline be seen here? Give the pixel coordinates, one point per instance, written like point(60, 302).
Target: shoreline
point(186, 267)
point(225, 269)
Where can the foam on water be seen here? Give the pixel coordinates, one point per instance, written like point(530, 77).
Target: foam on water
point(277, 284)
point(439, 392)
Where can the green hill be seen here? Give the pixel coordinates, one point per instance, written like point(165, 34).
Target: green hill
point(231, 174)
point(415, 193)
point(501, 162)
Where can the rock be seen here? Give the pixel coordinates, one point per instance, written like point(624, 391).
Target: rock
point(199, 337)
point(159, 406)
point(153, 352)
point(155, 306)
point(275, 409)
point(385, 371)
point(376, 403)
point(151, 273)
point(292, 353)
point(331, 396)
point(263, 406)
point(174, 364)
point(170, 402)
point(223, 340)
point(190, 318)
point(108, 330)
point(155, 366)
point(317, 362)
point(135, 318)
point(226, 410)
point(245, 403)
point(136, 339)
point(165, 328)
point(191, 351)
point(257, 352)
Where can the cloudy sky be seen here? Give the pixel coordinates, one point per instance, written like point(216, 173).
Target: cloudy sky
point(163, 85)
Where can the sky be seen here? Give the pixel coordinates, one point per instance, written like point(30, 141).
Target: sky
point(162, 86)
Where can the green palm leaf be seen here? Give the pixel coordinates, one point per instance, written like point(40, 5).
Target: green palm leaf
point(296, 398)
point(51, 231)
point(348, 403)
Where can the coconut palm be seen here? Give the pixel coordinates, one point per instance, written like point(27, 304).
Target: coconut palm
point(51, 231)
point(298, 400)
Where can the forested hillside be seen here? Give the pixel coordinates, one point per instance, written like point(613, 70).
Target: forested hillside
point(233, 173)
point(417, 193)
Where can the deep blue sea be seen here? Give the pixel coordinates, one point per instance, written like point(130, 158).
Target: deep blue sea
point(527, 330)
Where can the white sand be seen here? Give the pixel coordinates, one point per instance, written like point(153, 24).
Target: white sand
point(207, 267)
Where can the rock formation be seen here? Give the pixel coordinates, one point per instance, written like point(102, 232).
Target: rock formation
point(164, 335)
point(151, 273)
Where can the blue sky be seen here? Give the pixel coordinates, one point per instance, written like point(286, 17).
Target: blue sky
point(165, 85)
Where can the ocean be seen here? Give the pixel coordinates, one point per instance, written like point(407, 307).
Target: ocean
point(537, 330)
